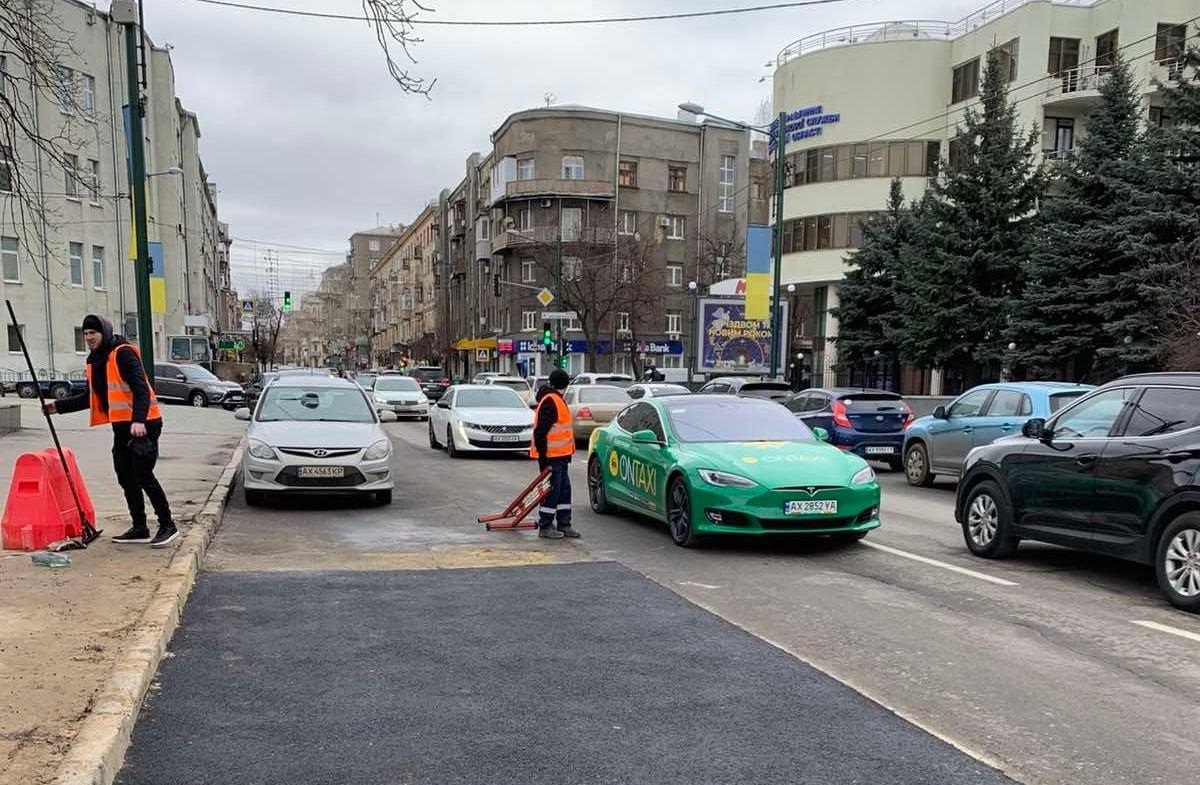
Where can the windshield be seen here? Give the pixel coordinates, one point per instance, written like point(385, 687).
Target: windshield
point(1059, 400)
point(300, 403)
point(495, 398)
point(659, 390)
point(512, 384)
point(366, 379)
point(428, 374)
point(397, 384)
point(775, 391)
point(613, 381)
point(733, 420)
point(603, 394)
point(198, 374)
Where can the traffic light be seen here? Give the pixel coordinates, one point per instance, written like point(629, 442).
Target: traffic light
point(287, 301)
point(547, 335)
point(562, 362)
point(496, 284)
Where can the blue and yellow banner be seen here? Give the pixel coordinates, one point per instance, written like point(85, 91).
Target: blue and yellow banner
point(758, 272)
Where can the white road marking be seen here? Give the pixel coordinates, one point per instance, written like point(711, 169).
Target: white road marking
point(935, 563)
point(699, 585)
point(1153, 625)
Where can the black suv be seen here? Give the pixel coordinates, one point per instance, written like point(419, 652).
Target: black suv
point(432, 379)
point(1114, 473)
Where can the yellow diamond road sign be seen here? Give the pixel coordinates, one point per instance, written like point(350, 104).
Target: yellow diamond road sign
point(545, 297)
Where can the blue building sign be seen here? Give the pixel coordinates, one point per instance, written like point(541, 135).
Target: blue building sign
point(805, 123)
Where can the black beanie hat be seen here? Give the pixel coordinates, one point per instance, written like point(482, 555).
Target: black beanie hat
point(92, 322)
point(559, 379)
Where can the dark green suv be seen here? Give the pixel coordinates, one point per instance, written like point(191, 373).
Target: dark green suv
point(1114, 473)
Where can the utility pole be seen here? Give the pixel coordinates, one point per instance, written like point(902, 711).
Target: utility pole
point(559, 330)
point(125, 13)
point(776, 299)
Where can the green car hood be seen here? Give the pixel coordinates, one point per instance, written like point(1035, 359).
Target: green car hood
point(775, 464)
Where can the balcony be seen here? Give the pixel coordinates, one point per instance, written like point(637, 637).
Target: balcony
point(547, 236)
point(527, 189)
point(1076, 89)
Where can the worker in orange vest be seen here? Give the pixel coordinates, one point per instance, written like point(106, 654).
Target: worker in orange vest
point(119, 394)
point(553, 445)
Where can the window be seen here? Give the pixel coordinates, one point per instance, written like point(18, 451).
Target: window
point(1058, 137)
point(71, 176)
point(572, 268)
point(971, 404)
point(572, 223)
point(954, 153)
point(1164, 410)
point(528, 271)
point(372, 245)
point(528, 321)
point(98, 266)
point(572, 167)
point(76, 253)
point(1010, 403)
point(628, 223)
point(10, 262)
point(675, 227)
point(1095, 417)
point(525, 168)
point(15, 334)
point(571, 324)
point(1007, 53)
point(672, 361)
point(824, 231)
point(622, 321)
point(725, 184)
point(674, 275)
point(1064, 56)
point(1159, 118)
point(895, 159)
point(94, 181)
point(674, 322)
point(6, 178)
point(66, 89)
point(1169, 42)
point(80, 346)
point(627, 174)
point(877, 160)
point(965, 83)
point(525, 219)
point(1106, 50)
point(677, 179)
point(88, 96)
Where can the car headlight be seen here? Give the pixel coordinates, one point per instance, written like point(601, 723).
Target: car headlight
point(214, 390)
point(725, 479)
point(380, 449)
point(262, 450)
point(380, 400)
point(865, 476)
point(470, 425)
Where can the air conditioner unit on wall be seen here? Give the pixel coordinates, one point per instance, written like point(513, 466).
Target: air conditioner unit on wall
point(547, 203)
point(664, 221)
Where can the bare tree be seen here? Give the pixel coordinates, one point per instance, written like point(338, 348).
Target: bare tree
point(722, 255)
point(392, 22)
point(1180, 314)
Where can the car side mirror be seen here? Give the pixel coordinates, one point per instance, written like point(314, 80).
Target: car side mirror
point(1034, 429)
point(443, 404)
point(388, 417)
point(821, 434)
point(241, 414)
point(940, 413)
point(646, 437)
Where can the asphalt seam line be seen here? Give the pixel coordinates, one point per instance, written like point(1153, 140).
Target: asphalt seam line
point(935, 563)
point(98, 749)
point(1153, 625)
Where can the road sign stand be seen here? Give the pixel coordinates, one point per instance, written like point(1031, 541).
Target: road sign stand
point(526, 502)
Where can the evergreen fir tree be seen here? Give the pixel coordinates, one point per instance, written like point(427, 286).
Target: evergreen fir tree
point(1077, 284)
point(965, 272)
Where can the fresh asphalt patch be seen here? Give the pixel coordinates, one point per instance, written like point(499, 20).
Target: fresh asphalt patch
point(564, 674)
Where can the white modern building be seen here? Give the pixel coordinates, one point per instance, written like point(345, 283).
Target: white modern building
point(82, 190)
point(871, 102)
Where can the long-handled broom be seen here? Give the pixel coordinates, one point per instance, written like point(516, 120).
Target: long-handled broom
point(90, 532)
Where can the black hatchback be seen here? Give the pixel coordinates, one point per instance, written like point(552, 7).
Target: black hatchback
point(1114, 473)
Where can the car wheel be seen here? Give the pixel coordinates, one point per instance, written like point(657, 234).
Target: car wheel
point(27, 390)
point(896, 464)
point(596, 494)
point(433, 442)
point(679, 514)
point(987, 522)
point(60, 391)
point(253, 498)
point(198, 399)
point(451, 449)
point(847, 538)
point(916, 466)
point(383, 498)
point(1178, 562)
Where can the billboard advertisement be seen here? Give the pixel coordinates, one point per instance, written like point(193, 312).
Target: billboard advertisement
point(731, 343)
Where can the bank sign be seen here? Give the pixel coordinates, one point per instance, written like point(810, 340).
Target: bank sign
point(730, 343)
point(805, 123)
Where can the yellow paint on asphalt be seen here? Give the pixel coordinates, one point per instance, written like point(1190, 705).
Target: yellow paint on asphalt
point(440, 559)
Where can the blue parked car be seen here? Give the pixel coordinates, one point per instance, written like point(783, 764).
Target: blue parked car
point(937, 445)
point(868, 423)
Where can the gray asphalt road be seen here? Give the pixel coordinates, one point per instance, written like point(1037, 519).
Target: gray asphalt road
point(1043, 664)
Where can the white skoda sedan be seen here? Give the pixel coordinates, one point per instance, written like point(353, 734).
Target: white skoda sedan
point(479, 418)
point(313, 434)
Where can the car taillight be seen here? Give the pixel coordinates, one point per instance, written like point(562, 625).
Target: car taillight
point(908, 414)
point(839, 415)
point(584, 413)
point(445, 381)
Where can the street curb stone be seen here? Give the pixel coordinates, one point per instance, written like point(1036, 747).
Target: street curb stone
point(98, 751)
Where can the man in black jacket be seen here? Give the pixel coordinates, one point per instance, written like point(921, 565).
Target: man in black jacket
point(553, 446)
point(119, 393)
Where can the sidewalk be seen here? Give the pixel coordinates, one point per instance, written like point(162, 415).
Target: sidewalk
point(62, 630)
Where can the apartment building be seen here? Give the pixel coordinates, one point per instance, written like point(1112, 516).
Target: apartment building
point(76, 262)
point(367, 248)
point(403, 286)
point(872, 102)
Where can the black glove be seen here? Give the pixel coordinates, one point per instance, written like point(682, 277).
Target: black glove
point(543, 464)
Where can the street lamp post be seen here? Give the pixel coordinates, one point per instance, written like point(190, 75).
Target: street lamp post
point(693, 330)
point(777, 227)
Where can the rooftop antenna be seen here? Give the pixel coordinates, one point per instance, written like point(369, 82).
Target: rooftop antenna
point(550, 98)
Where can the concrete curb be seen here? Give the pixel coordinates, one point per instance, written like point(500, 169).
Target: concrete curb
point(98, 751)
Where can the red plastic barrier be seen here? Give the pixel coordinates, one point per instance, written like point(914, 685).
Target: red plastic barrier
point(40, 508)
point(85, 499)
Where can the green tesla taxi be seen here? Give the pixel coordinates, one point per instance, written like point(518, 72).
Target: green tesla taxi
point(718, 464)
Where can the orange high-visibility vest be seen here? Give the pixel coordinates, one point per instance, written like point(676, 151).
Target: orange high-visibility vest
point(120, 395)
point(560, 442)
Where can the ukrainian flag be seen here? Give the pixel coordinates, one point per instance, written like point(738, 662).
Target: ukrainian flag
point(758, 273)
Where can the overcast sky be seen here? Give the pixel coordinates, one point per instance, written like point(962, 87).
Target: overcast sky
point(309, 139)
